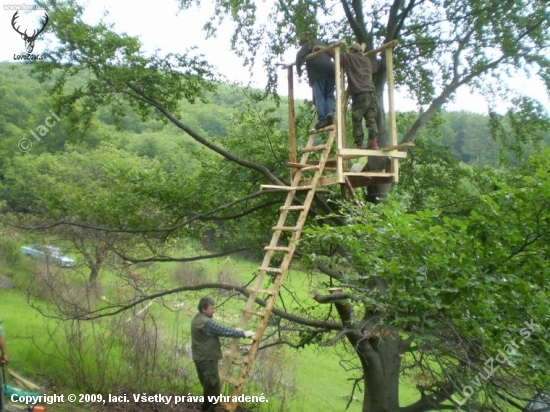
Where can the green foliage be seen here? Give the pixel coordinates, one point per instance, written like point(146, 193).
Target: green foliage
point(119, 73)
point(461, 283)
point(104, 186)
point(9, 252)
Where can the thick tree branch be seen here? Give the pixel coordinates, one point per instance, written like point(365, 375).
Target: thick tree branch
point(116, 309)
point(139, 94)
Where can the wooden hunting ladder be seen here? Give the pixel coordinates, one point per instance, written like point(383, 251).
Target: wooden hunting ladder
point(307, 175)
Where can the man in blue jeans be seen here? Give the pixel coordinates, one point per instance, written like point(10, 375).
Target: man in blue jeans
point(320, 73)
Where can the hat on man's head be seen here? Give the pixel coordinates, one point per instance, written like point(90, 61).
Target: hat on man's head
point(356, 46)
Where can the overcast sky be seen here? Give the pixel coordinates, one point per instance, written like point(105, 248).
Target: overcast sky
point(162, 26)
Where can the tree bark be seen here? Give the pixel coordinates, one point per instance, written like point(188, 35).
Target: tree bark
point(380, 351)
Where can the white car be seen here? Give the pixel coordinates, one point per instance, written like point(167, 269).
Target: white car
point(49, 254)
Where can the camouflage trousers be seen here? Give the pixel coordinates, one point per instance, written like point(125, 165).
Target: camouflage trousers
point(364, 106)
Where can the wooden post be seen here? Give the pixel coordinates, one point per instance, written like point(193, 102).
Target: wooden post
point(291, 120)
point(340, 115)
point(392, 115)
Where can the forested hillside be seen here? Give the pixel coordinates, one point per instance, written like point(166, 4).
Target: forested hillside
point(24, 106)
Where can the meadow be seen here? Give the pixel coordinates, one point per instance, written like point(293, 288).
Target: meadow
point(146, 348)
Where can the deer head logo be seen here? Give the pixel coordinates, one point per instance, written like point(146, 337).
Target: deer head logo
point(29, 40)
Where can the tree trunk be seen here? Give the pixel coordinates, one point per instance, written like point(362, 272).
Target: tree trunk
point(380, 350)
point(380, 358)
point(94, 273)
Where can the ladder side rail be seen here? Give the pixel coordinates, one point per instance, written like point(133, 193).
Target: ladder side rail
point(270, 302)
point(245, 315)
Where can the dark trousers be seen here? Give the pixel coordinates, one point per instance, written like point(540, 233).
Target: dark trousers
point(210, 381)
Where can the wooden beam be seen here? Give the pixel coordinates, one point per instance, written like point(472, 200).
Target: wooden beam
point(385, 46)
point(399, 146)
point(340, 115)
point(291, 121)
point(355, 153)
point(317, 53)
point(392, 114)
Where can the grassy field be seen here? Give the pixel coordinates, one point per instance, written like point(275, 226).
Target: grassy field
point(313, 377)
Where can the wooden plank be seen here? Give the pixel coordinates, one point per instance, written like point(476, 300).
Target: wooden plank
point(291, 120)
point(286, 228)
point(268, 269)
point(322, 130)
point(285, 188)
point(355, 153)
point(370, 174)
point(340, 114)
point(25, 382)
point(232, 382)
point(255, 312)
point(399, 146)
point(350, 187)
point(277, 248)
point(302, 207)
point(304, 167)
point(263, 291)
point(392, 114)
point(385, 46)
point(313, 148)
point(317, 53)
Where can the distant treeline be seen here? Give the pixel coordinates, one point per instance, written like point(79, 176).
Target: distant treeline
point(24, 106)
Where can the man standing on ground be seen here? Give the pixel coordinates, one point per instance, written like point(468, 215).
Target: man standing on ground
point(3, 347)
point(364, 101)
point(320, 73)
point(207, 349)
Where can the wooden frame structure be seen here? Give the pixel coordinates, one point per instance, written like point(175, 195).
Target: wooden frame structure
point(344, 154)
point(307, 175)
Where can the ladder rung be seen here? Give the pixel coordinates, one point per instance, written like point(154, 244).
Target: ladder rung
point(313, 148)
point(302, 166)
point(400, 146)
point(264, 291)
point(285, 188)
point(255, 312)
point(292, 208)
point(273, 270)
point(231, 381)
point(286, 228)
point(324, 129)
point(308, 168)
point(278, 248)
point(237, 356)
